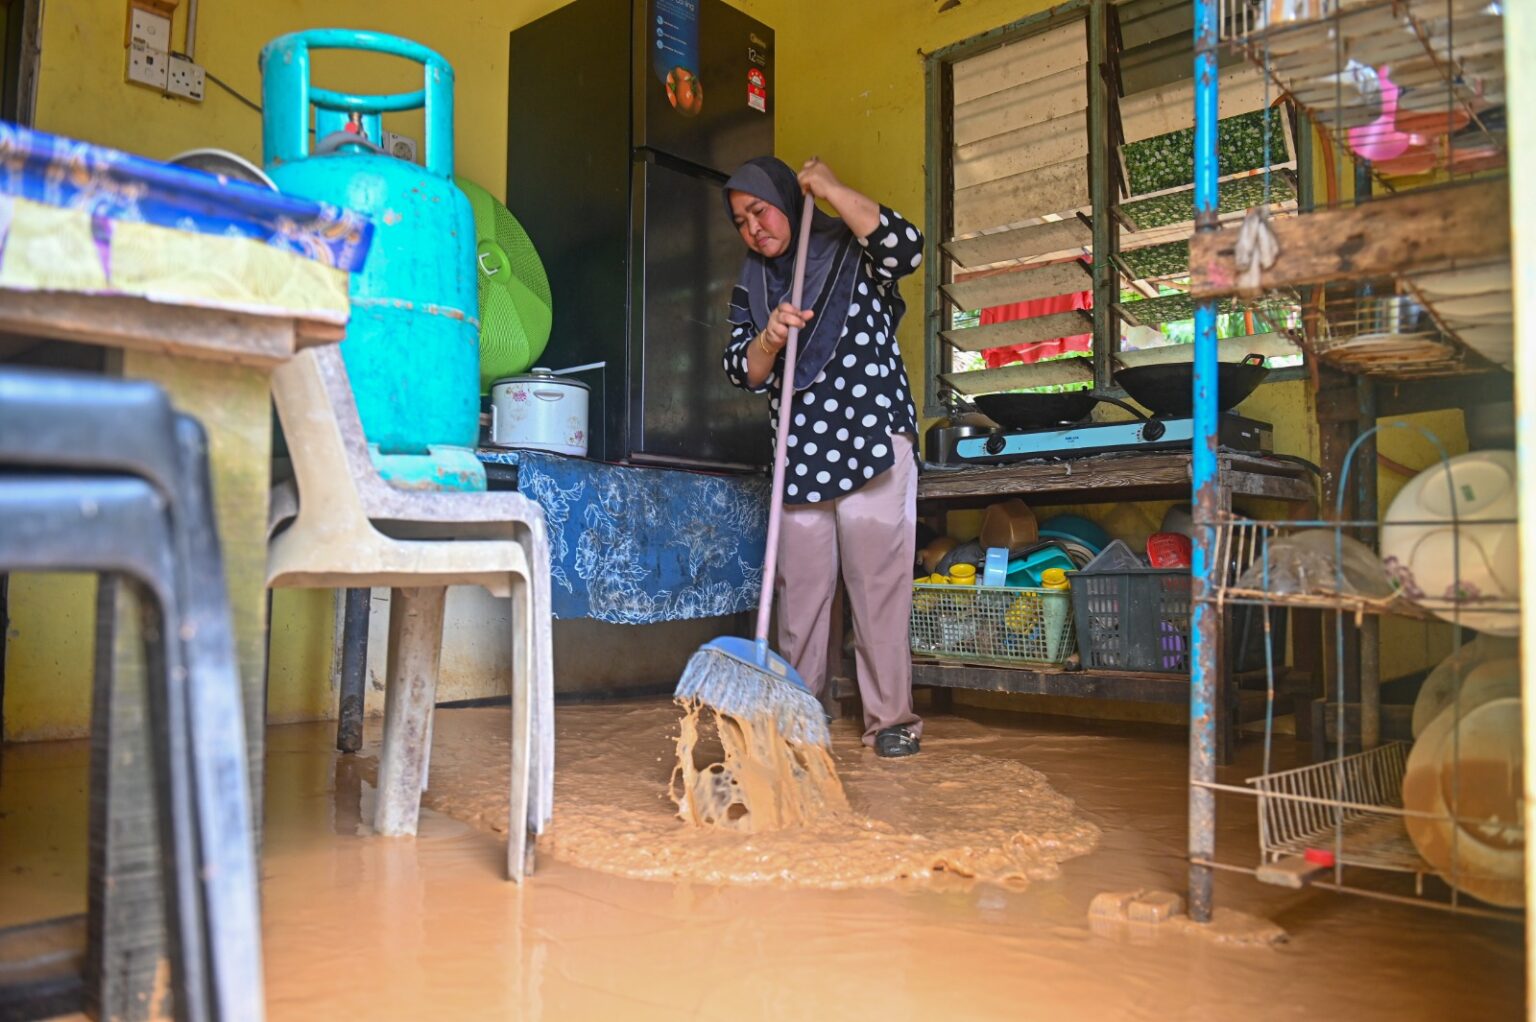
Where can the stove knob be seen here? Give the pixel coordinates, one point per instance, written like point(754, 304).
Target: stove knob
point(995, 443)
point(1153, 430)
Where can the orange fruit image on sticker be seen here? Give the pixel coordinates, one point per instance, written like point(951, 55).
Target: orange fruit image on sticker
point(685, 92)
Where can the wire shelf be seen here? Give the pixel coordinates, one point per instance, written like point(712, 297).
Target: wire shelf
point(1351, 807)
point(992, 623)
point(1433, 322)
point(1240, 542)
point(1439, 63)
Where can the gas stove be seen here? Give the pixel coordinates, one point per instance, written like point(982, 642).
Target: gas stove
point(950, 446)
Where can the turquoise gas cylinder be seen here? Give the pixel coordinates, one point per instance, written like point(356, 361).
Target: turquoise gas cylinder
point(412, 347)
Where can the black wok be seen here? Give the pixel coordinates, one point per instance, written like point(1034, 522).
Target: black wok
point(1169, 389)
point(1027, 411)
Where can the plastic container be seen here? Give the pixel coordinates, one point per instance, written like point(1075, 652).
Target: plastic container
point(1054, 578)
point(1133, 620)
point(1075, 529)
point(1026, 570)
point(1169, 550)
point(995, 571)
point(1116, 557)
point(1009, 524)
point(962, 574)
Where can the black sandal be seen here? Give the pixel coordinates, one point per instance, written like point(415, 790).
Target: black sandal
point(894, 742)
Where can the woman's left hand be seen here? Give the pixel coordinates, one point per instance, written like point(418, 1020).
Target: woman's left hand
point(817, 179)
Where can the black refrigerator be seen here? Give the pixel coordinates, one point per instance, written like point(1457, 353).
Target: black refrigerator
point(624, 118)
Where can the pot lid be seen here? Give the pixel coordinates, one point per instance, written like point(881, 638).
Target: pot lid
point(542, 376)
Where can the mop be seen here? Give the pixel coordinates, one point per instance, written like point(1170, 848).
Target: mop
point(743, 678)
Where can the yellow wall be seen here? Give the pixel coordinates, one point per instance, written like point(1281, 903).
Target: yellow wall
point(49, 646)
point(82, 94)
point(852, 92)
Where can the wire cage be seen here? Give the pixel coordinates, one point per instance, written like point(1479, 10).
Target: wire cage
point(992, 623)
point(1447, 803)
point(1411, 92)
point(1414, 86)
point(1426, 324)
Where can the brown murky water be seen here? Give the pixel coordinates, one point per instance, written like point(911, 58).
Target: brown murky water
point(950, 811)
point(403, 929)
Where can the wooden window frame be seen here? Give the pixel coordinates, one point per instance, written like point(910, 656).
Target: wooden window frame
point(1105, 183)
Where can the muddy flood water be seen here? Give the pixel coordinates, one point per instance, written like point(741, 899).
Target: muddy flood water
point(958, 888)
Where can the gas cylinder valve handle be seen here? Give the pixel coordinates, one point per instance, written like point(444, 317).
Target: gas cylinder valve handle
point(288, 94)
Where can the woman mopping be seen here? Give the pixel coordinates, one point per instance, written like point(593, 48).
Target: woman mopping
point(851, 490)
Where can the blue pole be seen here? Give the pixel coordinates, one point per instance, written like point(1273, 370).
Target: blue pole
point(1206, 498)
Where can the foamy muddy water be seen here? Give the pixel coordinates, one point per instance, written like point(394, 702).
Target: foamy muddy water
point(945, 813)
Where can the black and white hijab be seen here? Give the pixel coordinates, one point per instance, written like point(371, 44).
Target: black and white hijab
point(831, 271)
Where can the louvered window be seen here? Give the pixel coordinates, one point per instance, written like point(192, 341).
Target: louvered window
point(1012, 204)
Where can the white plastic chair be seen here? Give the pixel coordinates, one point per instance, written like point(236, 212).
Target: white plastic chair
point(350, 528)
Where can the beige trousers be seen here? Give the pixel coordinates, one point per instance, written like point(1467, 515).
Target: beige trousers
point(870, 535)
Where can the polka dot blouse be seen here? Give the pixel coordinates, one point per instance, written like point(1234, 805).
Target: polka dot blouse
point(840, 433)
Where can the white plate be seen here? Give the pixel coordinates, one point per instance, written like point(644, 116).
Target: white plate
point(1478, 683)
point(1493, 307)
point(1476, 280)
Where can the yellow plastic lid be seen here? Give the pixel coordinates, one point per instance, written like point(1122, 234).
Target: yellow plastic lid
point(960, 572)
point(1054, 578)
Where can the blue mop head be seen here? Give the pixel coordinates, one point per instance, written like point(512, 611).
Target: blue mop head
point(745, 679)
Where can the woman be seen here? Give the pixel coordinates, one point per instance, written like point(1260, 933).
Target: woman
point(850, 490)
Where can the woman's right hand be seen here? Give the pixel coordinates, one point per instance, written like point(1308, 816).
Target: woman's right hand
point(780, 320)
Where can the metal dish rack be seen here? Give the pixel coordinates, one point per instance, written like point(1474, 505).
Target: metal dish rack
point(1351, 807)
point(1414, 91)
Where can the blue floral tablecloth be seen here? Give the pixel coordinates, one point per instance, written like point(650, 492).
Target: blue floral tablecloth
point(636, 545)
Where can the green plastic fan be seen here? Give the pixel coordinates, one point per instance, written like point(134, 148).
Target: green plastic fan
point(515, 307)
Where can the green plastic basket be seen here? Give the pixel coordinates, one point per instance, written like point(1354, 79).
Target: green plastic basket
point(992, 623)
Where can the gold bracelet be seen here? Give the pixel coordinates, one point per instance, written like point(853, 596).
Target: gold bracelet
point(762, 342)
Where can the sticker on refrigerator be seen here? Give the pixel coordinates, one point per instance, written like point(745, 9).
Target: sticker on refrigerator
point(757, 90)
point(675, 53)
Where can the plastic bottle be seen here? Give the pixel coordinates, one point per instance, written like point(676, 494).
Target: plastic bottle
point(1056, 610)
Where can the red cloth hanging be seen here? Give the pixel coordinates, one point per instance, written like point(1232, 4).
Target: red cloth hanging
point(1037, 350)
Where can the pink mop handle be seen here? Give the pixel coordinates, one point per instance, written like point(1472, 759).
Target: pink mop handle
point(780, 449)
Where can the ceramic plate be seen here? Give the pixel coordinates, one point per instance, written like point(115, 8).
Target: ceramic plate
point(1473, 764)
point(1477, 280)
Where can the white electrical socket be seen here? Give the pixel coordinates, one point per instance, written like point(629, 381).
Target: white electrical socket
point(147, 66)
point(149, 28)
point(184, 78)
point(400, 146)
